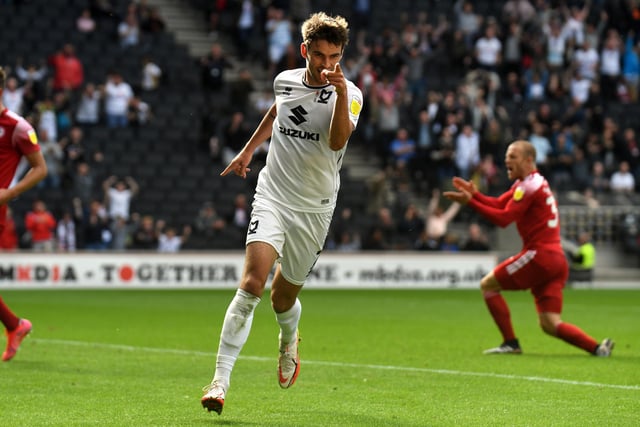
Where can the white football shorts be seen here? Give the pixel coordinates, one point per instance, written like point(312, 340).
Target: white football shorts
point(297, 237)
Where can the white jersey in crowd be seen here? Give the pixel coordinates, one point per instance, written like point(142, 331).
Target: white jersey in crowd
point(302, 172)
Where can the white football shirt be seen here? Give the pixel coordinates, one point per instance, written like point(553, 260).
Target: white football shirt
point(302, 172)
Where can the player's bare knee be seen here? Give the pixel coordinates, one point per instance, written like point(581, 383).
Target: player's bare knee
point(488, 285)
point(253, 285)
point(548, 326)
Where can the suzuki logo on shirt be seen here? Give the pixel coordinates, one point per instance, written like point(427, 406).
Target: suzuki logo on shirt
point(298, 115)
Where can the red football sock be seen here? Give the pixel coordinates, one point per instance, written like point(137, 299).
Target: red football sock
point(576, 336)
point(501, 315)
point(7, 317)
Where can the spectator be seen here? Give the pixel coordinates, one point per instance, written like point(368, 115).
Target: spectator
point(349, 241)
point(129, 31)
point(521, 11)
point(555, 47)
point(467, 155)
point(573, 28)
point(512, 49)
point(68, 69)
point(121, 231)
point(562, 158)
point(118, 194)
point(343, 223)
point(53, 156)
point(83, 184)
point(542, 145)
point(246, 25)
point(74, 150)
point(208, 223)
point(241, 211)
point(153, 23)
point(467, 21)
point(382, 234)
point(403, 150)
point(630, 150)
point(599, 182)
point(234, 135)
point(610, 68)
point(622, 181)
point(583, 259)
point(388, 122)
point(580, 169)
point(169, 241)
point(278, 28)
point(118, 94)
point(9, 234)
point(579, 89)
point(409, 227)
point(139, 112)
point(62, 107)
point(145, 236)
point(88, 107)
point(151, 74)
point(631, 67)
point(536, 81)
point(486, 175)
point(488, 49)
point(213, 68)
point(66, 233)
point(438, 219)
point(85, 23)
point(476, 240)
point(13, 96)
point(96, 235)
point(33, 76)
point(450, 242)
point(241, 89)
point(41, 225)
point(586, 60)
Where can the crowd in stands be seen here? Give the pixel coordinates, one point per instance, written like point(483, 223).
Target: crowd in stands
point(444, 95)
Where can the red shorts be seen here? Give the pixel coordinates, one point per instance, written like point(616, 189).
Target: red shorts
point(543, 271)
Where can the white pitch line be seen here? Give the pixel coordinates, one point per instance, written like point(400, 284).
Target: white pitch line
point(344, 365)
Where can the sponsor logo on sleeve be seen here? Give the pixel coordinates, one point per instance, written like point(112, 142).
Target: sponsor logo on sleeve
point(355, 106)
point(32, 136)
point(518, 194)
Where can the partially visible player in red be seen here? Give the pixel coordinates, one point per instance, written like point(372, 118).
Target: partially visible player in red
point(17, 139)
point(541, 266)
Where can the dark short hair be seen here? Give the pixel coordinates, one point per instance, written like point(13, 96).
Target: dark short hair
point(320, 26)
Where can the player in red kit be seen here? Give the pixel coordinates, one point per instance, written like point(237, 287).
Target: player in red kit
point(17, 139)
point(541, 265)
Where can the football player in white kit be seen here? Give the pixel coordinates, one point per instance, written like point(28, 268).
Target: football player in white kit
point(315, 111)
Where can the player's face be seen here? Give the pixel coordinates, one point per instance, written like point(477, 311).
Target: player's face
point(514, 161)
point(320, 55)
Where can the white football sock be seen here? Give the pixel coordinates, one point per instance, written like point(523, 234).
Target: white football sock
point(288, 322)
point(235, 331)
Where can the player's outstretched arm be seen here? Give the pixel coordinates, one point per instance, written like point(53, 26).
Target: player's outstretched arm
point(240, 163)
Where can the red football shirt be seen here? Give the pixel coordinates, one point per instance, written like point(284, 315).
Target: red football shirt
point(17, 138)
point(531, 204)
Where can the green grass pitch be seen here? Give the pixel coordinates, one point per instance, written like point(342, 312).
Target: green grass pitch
point(369, 358)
